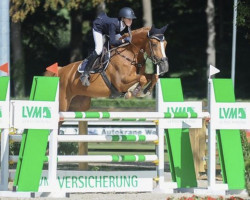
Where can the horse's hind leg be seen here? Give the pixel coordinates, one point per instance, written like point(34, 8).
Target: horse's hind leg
point(80, 103)
point(64, 100)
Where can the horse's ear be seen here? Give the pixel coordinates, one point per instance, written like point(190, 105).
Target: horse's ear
point(164, 28)
point(152, 30)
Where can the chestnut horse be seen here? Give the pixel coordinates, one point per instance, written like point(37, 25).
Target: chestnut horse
point(125, 69)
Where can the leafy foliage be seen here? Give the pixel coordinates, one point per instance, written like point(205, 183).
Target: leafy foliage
point(44, 40)
point(244, 13)
point(46, 31)
point(20, 9)
point(243, 18)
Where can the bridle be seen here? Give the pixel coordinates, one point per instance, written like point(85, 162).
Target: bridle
point(152, 56)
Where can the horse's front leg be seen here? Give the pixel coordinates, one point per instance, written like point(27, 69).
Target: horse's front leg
point(142, 82)
point(145, 87)
point(136, 90)
point(153, 80)
point(64, 101)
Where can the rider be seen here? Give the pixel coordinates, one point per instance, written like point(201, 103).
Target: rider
point(114, 28)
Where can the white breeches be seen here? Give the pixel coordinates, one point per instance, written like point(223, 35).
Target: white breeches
point(98, 38)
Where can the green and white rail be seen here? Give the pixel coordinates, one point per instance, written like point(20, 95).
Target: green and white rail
point(128, 116)
point(99, 158)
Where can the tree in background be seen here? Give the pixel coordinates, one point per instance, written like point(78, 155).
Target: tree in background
point(148, 21)
point(147, 13)
point(47, 36)
point(18, 62)
point(19, 10)
point(210, 11)
point(41, 24)
point(244, 16)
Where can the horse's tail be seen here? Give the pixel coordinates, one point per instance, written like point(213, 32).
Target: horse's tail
point(49, 73)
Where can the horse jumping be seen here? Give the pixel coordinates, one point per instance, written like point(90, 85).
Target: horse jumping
point(125, 69)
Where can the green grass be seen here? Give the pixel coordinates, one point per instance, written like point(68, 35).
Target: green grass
point(122, 103)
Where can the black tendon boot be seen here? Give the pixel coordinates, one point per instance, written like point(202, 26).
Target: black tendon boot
point(85, 76)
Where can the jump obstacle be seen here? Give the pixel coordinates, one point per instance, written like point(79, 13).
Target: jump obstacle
point(40, 119)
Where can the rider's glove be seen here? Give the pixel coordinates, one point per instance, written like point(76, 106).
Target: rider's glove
point(127, 39)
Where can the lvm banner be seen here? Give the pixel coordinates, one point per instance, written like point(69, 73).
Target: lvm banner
point(35, 114)
point(231, 115)
point(183, 107)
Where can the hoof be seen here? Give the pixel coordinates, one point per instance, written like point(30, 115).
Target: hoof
point(128, 95)
point(136, 91)
point(141, 95)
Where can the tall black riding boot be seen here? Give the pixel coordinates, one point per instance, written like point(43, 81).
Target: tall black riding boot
point(85, 76)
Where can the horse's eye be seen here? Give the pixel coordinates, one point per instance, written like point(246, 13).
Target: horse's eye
point(154, 45)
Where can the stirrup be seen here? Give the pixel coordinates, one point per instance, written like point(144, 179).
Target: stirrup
point(85, 79)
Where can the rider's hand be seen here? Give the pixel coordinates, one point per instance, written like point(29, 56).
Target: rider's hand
point(127, 39)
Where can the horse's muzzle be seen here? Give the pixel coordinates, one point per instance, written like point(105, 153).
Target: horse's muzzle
point(163, 65)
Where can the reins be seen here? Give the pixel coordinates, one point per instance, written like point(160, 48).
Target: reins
point(132, 61)
point(152, 56)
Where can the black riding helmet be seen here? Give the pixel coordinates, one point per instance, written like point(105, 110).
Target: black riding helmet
point(127, 12)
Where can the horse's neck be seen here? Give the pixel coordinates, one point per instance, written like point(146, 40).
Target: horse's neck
point(139, 37)
point(124, 69)
point(139, 40)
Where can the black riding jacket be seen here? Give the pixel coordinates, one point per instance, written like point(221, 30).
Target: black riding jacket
point(109, 26)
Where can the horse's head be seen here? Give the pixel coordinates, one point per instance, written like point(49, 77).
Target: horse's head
point(156, 48)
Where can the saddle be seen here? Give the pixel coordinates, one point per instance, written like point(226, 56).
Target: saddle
point(100, 63)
